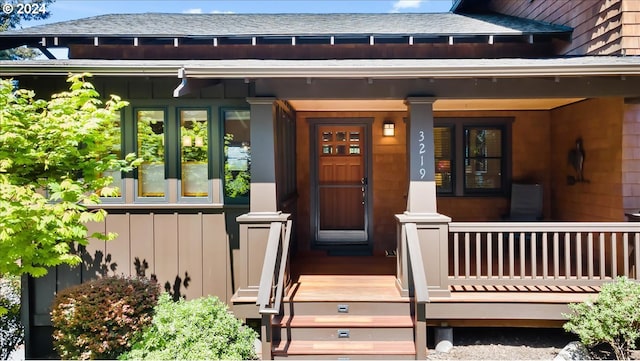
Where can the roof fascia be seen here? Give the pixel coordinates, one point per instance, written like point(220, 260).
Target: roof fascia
point(321, 69)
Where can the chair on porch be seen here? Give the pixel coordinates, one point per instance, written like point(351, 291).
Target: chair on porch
point(526, 203)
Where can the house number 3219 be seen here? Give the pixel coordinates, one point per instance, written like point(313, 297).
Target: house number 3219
point(421, 151)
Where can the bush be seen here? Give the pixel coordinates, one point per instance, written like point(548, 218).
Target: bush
point(613, 318)
point(98, 319)
point(200, 329)
point(11, 330)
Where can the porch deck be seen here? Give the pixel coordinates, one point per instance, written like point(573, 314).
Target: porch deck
point(372, 279)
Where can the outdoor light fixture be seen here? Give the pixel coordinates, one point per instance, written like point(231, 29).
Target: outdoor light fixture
point(388, 129)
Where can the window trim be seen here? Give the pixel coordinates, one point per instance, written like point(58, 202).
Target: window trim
point(458, 125)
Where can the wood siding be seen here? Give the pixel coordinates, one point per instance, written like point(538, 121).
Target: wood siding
point(598, 25)
point(531, 154)
point(599, 123)
point(631, 158)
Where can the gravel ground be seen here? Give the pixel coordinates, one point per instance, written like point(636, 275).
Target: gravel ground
point(511, 344)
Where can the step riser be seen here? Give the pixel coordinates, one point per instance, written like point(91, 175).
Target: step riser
point(345, 357)
point(355, 308)
point(355, 334)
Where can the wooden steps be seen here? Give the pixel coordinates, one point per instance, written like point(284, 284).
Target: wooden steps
point(344, 317)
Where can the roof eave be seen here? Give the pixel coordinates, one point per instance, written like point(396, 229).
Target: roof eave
point(327, 69)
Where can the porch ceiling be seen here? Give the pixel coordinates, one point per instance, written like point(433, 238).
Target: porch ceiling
point(439, 105)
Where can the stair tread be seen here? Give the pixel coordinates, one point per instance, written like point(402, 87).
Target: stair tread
point(353, 321)
point(344, 348)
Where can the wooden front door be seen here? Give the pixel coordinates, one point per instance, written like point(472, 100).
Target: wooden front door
point(341, 185)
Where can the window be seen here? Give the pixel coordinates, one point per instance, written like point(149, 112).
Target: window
point(116, 149)
point(443, 138)
point(194, 152)
point(482, 159)
point(470, 156)
point(150, 139)
point(237, 155)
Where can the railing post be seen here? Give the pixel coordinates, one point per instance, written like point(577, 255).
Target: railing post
point(266, 336)
point(433, 233)
point(249, 258)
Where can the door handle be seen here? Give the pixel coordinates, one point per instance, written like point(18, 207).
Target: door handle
point(363, 181)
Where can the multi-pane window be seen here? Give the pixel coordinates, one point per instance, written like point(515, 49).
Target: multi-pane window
point(470, 158)
point(237, 154)
point(151, 148)
point(483, 159)
point(194, 152)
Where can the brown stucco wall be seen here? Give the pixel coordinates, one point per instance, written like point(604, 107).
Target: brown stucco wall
point(599, 123)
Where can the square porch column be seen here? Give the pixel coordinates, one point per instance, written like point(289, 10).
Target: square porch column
point(421, 203)
point(263, 207)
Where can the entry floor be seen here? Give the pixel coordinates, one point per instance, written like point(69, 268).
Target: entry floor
point(326, 278)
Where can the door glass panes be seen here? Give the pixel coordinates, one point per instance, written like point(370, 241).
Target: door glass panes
point(194, 152)
point(150, 146)
point(340, 143)
point(237, 154)
point(442, 139)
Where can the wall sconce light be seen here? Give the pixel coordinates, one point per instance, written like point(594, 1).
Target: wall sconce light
point(388, 129)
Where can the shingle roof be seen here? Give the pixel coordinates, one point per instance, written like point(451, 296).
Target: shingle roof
point(207, 25)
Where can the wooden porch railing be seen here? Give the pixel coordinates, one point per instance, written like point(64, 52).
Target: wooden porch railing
point(418, 287)
point(542, 253)
point(272, 280)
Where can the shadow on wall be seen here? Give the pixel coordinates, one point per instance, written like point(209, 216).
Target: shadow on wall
point(174, 290)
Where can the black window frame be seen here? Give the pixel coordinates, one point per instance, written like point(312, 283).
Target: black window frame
point(458, 147)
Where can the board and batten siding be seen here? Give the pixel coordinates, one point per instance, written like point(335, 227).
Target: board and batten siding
point(190, 255)
point(187, 252)
point(602, 27)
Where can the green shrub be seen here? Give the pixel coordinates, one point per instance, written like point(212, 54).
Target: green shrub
point(200, 329)
point(613, 318)
point(98, 319)
point(11, 330)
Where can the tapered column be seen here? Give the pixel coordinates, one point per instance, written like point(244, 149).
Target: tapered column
point(263, 163)
point(422, 186)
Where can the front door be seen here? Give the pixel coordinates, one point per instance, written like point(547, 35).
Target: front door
point(341, 185)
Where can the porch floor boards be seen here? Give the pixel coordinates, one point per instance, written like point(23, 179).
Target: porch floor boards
point(371, 279)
